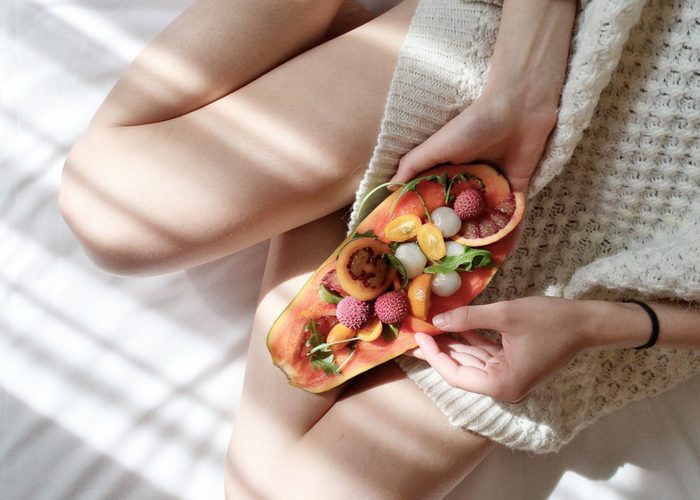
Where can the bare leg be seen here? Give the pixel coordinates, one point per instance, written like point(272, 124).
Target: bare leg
point(382, 439)
point(280, 151)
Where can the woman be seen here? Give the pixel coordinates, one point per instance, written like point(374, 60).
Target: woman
point(233, 115)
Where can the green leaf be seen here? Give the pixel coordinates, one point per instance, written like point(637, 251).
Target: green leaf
point(328, 296)
point(325, 346)
point(425, 207)
point(390, 332)
point(320, 356)
point(398, 265)
point(471, 259)
point(356, 235)
point(461, 178)
point(315, 337)
point(394, 329)
point(366, 234)
point(411, 186)
point(327, 364)
point(371, 193)
point(342, 365)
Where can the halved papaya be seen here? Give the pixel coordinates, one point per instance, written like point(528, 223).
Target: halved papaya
point(297, 338)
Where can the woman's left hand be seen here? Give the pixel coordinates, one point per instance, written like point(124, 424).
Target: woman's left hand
point(500, 128)
point(539, 336)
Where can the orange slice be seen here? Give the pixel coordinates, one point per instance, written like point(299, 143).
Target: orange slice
point(493, 223)
point(419, 296)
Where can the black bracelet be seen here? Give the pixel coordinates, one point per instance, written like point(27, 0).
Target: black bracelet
point(654, 323)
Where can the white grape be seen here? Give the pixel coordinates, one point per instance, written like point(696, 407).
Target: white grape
point(453, 248)
point(446, 284)
point(447, 221)
point(412, 259)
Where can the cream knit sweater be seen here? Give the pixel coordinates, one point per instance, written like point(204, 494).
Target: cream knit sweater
point(614, 209)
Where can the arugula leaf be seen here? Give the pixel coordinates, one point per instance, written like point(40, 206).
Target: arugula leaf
point(371, 193)
point(367, 234)
point(327, 364)
point(461, 178)
point(472, 258)
point(356, 235)
point(321, 358)
point(412, 186)
point(328, 296)
point(398, 265)
point(326, 345)
point(315, 337)
point(390, 332)
point(342, 365)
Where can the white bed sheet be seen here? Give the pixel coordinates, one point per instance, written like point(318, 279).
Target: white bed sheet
point(127, 388)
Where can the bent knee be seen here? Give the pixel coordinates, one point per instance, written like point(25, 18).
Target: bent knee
point(114, 235)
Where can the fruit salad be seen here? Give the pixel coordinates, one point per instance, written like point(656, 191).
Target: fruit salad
point(431, 246)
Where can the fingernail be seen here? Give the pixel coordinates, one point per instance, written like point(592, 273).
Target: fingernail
point(441, 320)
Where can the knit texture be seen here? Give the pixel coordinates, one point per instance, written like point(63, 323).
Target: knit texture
point(614, 208)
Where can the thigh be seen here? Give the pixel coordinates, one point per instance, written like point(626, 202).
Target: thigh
point(281, 151)
point(382, 439)
point(272, 416)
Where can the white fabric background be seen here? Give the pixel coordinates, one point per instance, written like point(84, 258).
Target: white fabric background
point(127, 388)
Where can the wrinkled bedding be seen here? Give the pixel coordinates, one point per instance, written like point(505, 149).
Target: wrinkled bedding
point(127, 388)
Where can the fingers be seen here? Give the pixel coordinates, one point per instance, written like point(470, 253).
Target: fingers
point(420, 158)
point(455, 142)
point(473, 369)
point(471, 377)
point(479, 341)
point(460, 350)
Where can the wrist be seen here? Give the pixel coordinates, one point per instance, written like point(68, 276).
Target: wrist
point(531, 51)
point(615, 325)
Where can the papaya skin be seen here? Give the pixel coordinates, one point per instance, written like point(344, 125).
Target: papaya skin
point(286, 340)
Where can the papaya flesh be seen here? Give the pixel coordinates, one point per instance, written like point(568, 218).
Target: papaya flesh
point(289, 337)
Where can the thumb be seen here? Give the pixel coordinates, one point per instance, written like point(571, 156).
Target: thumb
point(489, 316)
point(455, 142)
point(419, 159)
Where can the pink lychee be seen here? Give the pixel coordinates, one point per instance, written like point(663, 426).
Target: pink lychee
point(392, 307)
point(353, 312)
point(469, 203)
